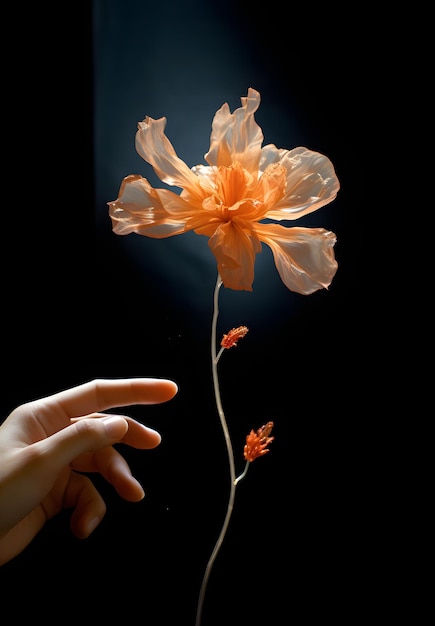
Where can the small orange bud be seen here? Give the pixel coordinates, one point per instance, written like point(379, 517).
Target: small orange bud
point(257, 442)
point(231, 339)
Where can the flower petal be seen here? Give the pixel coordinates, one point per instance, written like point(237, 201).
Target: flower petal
point(270, 188)
point(304, 257)
point(153, 146)
point(311, 181)
point(236, 136)
point(138, 209)
point(235, 250)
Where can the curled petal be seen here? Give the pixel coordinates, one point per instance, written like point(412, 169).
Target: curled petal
point(236, 136)
point(304, 257)
point(153, 146)
point(138, 209)
point(311, 181)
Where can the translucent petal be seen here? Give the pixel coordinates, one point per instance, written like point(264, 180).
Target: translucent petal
point(153, 146)
point(138, 209)
point(236, 136)
point(311, 181)
point(304, 257)
point(235, 250)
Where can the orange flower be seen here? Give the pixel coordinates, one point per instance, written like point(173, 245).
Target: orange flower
point(233, 336)
point(233, 199)
point(257, 442)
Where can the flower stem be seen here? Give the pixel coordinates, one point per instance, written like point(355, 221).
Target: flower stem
point(233, 482)
point(243, 474)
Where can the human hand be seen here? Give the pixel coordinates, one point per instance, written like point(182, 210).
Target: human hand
point(46, 443)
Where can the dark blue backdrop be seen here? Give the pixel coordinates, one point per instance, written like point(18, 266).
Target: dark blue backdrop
point(85, 303)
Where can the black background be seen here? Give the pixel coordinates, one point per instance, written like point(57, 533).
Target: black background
point(306, 534)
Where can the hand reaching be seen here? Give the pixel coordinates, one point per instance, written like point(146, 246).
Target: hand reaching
point(46, 444)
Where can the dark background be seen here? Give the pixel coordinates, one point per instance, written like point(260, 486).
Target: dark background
point(79, 302)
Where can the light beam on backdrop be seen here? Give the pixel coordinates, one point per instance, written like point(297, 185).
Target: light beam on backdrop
point(143, 65)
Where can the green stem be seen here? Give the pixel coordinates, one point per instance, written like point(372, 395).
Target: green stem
point(233, 482)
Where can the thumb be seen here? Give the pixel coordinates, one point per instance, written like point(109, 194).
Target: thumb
point(84, 435)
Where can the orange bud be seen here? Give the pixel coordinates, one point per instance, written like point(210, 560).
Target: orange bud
point(231, 339)
point(257, 442)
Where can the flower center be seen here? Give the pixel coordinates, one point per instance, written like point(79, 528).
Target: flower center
point(232, 185)
point(239, 196)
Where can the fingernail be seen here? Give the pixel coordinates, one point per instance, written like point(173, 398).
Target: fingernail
point(154, 433)
point(142, 490)
point(92, 524)
point(115, 426)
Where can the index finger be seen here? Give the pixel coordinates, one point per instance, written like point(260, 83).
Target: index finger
point(101, 394)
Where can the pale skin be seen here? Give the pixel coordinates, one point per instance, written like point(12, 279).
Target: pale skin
point(46, 444)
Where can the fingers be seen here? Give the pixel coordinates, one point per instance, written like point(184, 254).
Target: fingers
point(85, 445)
point(80, 442)
point(85, 435)
point(102, 394)
point(82, 495)
point(89, 507)
point(114, 468)
point(137, 435)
